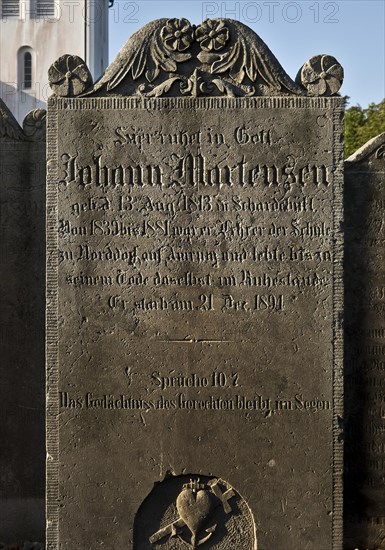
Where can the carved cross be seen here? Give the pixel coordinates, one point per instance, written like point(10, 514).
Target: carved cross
point(223, 497)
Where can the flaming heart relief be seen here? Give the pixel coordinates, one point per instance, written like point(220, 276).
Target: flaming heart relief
point(206, 514)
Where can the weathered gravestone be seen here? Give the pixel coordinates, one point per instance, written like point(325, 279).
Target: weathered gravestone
point(194, 288)
point(365, 346)
point(22, 261)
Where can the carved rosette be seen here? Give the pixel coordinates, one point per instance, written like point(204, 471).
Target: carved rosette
point(177, 35)
point(34, 125)
point(212, 35)
point(321, 75)
point(69, 76)
point(219, 57)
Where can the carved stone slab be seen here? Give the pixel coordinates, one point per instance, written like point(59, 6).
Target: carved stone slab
point(365, 346)
point(22, 397)
point(194, 295)
point(194, 290)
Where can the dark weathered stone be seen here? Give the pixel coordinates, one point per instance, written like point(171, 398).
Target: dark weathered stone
point(194, 289)
point(22, 396)
point(365, 346)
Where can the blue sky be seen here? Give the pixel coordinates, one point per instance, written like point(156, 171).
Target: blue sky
point(353, 31)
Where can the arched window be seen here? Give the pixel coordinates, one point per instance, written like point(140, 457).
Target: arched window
point(26, 67)
point(27, 70)
point(10, 8)
point(45, 8)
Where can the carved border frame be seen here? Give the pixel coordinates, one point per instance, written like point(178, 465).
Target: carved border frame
point(338, 333)
point(52, 333)
point(336, 106)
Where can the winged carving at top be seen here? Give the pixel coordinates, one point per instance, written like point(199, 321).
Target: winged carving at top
point(172, 57)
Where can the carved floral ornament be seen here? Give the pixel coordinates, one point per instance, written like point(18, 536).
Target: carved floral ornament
point(177, 35)
point(321, 75)
point(69, 76)
point(34, 125)
point(217, 57)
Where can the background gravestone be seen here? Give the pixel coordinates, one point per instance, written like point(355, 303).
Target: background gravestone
point(22, 259)
point(365, 347)
point(194, 291)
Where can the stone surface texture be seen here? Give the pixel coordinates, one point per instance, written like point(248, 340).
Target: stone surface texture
point(22, 261)
point(365, 346)
point(194, 291)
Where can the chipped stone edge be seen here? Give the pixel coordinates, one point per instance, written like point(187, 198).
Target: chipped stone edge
point(336, 104)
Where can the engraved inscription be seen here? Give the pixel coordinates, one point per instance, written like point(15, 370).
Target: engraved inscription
point(147, 244)
point(198, 255)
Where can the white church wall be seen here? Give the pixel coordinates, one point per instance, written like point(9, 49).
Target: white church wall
point(48, 29)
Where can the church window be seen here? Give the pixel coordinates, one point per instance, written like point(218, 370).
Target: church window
point(10, 8)
point(45, 8)
point(25, 68)
point(27, 73)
